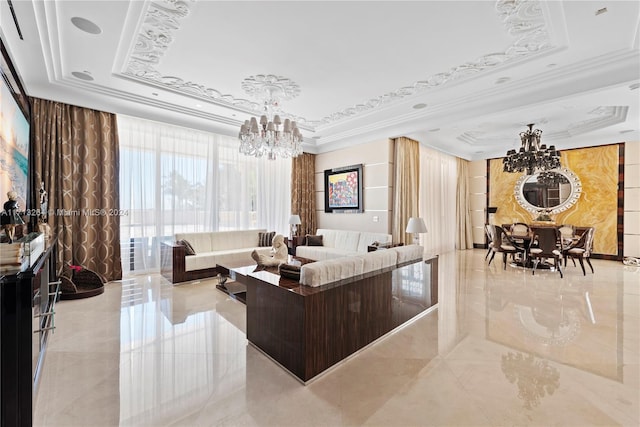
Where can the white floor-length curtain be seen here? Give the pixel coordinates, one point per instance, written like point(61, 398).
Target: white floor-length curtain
point(438, 180)
point(175, 179)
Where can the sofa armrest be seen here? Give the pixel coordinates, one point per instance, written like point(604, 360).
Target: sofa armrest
point(172, 265)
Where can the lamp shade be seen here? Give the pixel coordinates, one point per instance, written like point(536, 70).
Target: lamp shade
point(295, 220)
point(416, 225)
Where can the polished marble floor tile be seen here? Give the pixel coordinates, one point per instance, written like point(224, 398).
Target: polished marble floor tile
point(503, 347)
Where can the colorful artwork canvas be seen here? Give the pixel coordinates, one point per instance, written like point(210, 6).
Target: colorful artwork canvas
point(14, 148)
point(343, 190)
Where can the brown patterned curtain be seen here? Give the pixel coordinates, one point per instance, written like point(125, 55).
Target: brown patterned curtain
point(76, 157)
point(406, 187)
point(303, 192)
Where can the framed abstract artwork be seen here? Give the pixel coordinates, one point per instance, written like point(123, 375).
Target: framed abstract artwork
point(343, 189)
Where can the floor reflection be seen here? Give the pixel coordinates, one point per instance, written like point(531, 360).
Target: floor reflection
point(502, 348)
point(563, 320)
point(534, 377)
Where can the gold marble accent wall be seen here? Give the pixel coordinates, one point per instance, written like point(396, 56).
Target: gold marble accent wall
point(597, 168)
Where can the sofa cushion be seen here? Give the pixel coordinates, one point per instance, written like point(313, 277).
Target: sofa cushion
point(347, 240)
point(318, 253)
point(211, 259)
point(200, 242)
point(237, 239)
point(408, 253)
point(266, 238)
point(379, 259)
point(188, 248)
point(322, 273)
point(314, 240)
point(340, 239)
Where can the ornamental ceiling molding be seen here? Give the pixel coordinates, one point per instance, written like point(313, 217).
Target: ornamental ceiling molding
point(606, 116)
point(523, 20)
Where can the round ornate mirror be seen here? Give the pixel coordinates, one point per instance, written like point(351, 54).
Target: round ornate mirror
point(549, 191)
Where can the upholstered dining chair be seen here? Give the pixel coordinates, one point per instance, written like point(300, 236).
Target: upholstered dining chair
point(567, 231)
point(495, 240)
point(490, 232)
point(581, 250)
point(548, 245)
point(518, 231)
point(508, 246)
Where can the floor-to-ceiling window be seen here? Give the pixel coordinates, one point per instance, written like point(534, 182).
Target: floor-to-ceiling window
point(438, 180)
point(174, 179)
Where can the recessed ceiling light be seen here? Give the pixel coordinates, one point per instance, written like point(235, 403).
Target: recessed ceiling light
point(601, 11)
point(503, 80)
point(634, 86)
point(154, 93)
point(419, 106)
point(82, 75)
point(627, 131)
point(434, 130)
point(552, 65)
point(198, 105)
point(85, 25)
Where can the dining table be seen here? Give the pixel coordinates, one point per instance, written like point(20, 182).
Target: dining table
point(527, 240)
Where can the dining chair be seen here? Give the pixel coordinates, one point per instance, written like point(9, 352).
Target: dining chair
point(495, 241)
point(581, 250)
point(520, 230)
point(548, 245)
point(508, 246)
point(488, 231)
point(567, 231)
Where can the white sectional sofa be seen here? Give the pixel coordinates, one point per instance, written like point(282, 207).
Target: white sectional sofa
point(220, 247)
point(340, 243)
point(334, 269)
point(211, 249)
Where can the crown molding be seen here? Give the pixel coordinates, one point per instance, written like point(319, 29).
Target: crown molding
point(523, 19)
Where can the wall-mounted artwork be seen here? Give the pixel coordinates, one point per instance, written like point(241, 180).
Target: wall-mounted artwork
point(343, 189)
point(14, 143)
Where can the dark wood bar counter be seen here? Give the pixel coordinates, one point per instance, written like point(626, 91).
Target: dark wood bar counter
point(309, 329)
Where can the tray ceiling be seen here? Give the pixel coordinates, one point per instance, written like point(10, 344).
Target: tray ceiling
point(464, 77)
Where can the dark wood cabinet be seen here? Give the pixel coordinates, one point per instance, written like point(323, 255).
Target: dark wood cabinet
point(27, 306)
point(307, 329)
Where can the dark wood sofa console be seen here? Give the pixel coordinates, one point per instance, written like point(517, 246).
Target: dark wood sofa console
point(309, 329)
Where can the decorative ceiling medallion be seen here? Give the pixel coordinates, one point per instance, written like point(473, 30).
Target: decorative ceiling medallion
point(522, 18)
point(277, 88)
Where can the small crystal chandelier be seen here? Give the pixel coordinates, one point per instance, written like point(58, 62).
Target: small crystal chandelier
point(266, 136)
point(532, 156)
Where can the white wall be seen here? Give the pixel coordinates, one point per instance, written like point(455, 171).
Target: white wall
point(377, 158)
point(478, 199)
point(632, 199)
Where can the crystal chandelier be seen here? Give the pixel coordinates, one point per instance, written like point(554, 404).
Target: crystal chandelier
point(270, 136)
point(532, 156)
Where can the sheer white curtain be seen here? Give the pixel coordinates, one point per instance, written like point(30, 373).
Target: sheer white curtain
point(438, 180)
point(174, 179)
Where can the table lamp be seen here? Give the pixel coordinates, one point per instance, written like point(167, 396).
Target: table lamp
point(416, 226)
point(294, 220)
